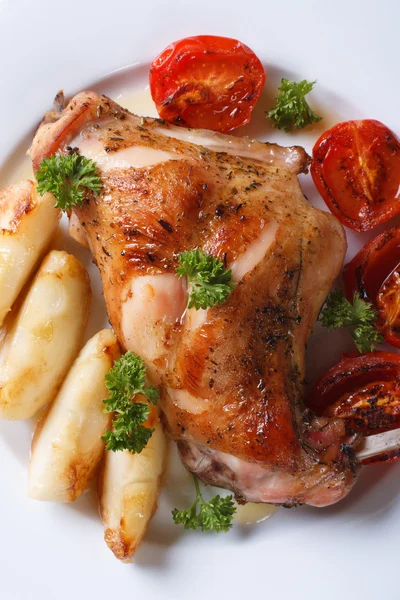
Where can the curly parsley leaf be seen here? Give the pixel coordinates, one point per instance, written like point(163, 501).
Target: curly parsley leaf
point(359, 318)
point(210, 282)
point(188, 518)
point(68, 178)
point(125, 380)
point(215, 515)
point(292, 110)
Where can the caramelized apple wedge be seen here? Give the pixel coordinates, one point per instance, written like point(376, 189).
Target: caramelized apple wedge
point(67, 445)
point(45, 337)
point(27, 224)
point(128, 491)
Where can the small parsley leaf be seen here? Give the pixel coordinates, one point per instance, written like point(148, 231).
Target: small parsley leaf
point(292, 110)
point(188, 518)
point(359, 318)
point(210, 282)
point(125, 380)
point(68, 177)
point(215, 515)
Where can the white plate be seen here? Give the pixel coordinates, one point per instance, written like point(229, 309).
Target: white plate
point(348, 550)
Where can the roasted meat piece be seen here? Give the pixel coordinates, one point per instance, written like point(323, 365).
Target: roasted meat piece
point(232, 376)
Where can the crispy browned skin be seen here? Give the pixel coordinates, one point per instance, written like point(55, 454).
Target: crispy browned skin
point(241, 423)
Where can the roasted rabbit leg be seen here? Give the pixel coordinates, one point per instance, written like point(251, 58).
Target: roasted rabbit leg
point(232, 376)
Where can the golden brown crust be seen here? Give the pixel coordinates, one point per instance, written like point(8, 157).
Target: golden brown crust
point(16, 200)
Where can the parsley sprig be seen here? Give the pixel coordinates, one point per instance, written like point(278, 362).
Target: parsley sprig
point(125, 380)
point(68, 178)
point(359, 318)
point(215, 515)
point(210, 282)
point(292, 110)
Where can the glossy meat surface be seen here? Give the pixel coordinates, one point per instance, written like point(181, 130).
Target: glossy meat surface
point(232, 376)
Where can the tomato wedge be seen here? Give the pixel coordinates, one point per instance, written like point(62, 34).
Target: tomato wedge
point(207, 82)
point(345, 387)
point(356, 168)
point(365, 392)
point(374, 273)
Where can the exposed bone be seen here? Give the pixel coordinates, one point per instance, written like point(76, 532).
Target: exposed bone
point(381, 443)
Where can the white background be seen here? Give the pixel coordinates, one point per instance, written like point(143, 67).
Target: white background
point(347, 551)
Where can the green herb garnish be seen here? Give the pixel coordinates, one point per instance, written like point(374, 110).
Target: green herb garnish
point(215, 515)
point(125, 380)
point(68, 177)
point(210, 282)
point(359, 318)
point(292, 110)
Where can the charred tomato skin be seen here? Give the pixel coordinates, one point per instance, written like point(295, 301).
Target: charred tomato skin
point(385, 457)
point(207, 82)
point(356, 168)
point(364, 391)
point(374, 273)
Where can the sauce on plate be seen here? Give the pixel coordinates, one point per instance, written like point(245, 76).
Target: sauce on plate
point(139, 102)
point(250, 513)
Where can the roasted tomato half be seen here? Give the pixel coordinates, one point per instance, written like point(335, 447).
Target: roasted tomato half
point(207, 82)
point(374, 273)
point(365, 392)
point(356, 168)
